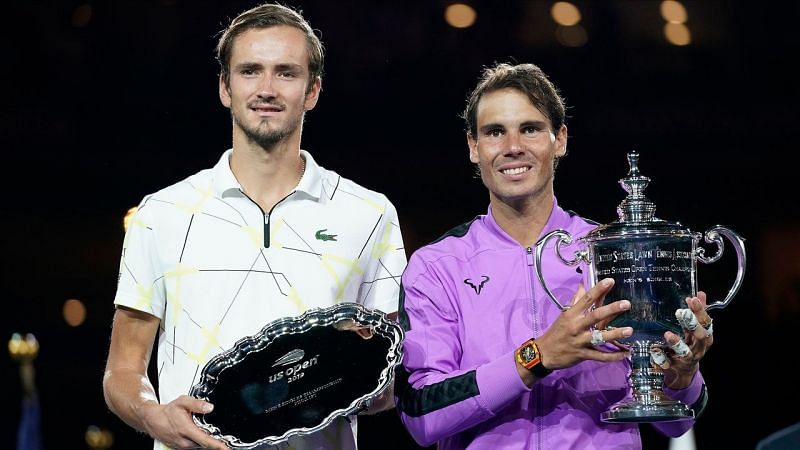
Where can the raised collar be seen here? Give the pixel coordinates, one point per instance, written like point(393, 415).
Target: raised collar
point(558, 219)
point(226, 183)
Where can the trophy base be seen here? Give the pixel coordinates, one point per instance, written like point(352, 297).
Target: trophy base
point(662, 410)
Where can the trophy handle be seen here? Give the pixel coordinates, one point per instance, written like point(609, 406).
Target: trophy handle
point(714, 235)
point(563, 238)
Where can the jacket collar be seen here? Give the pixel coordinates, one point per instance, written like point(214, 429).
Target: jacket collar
point(558, 219)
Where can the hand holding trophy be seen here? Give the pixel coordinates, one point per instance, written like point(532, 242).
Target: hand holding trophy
point(654, 265)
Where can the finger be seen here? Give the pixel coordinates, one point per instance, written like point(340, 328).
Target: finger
point(194, 405)
point(687, 319)
point(606, 355)
point(606, 312)
point(578, 295)
point(583, 300)
point(202, 439)
point(593, 298)
point(677, 345)
point(658, 357)
point(596, 295)
point(598, 337)
point(695, 319)
point(213, 443)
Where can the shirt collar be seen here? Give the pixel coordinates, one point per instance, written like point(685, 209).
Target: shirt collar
point(225, 181)
point(558, 219)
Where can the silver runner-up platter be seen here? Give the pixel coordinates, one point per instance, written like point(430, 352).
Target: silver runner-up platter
point(299, 374)
point(654, 265)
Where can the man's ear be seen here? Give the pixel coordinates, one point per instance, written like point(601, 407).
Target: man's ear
point(472, 143)
point(561, 141)
point(224, 92)
point(313, 95)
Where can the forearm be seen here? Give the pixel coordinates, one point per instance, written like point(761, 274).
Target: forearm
point(440, 406)
point(127, 394)
point(689, 396)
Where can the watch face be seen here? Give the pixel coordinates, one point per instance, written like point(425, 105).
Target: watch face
point(528, 353)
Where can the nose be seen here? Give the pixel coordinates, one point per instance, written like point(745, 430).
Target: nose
point(265, 87)
point(514, 141)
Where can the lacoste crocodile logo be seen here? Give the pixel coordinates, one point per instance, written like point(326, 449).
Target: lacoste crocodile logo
point(480, 285)
point(321, 236)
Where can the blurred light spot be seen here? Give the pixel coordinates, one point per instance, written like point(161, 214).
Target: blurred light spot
point(677, 34)
point(82, 16)
point(23, 348)
point(459, 15)
point(98, 438)
point(574, 36)
point(126, 221)
point(673, 11)
point(74, 312)
point(565, 13)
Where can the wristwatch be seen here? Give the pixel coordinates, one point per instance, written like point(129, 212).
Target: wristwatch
point(529, 357)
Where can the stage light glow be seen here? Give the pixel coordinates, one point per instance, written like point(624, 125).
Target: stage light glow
point(565, 14)
point(98, 438)
point(574, 36)
point(459, 15)
point(677, 34)
point(126, 221)
point(82, 15)
point(74, 312)
point(673, 11)
point(23, 348)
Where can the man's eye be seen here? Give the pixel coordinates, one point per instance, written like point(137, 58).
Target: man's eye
point(494, 133)
point(248, 72)
point(530, 130)
point(288, 75)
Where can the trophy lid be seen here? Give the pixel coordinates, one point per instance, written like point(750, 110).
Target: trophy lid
point(636, 212)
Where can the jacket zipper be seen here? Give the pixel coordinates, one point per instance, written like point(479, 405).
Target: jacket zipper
point(539, 396)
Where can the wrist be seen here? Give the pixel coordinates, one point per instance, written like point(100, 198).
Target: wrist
point(529, 357)
point(143, 412)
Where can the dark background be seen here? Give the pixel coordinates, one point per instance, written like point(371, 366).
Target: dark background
point(102, 108)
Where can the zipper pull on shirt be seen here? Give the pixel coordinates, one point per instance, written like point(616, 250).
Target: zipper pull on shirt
point(266, 230)
point(529, 255)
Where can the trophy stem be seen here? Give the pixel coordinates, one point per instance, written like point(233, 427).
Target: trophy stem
point(649, 403)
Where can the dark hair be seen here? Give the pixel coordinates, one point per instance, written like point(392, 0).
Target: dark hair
point(266, 16)
point(526, 78)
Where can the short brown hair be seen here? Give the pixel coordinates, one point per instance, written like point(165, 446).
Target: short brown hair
point(266, 16)
point(526, 78)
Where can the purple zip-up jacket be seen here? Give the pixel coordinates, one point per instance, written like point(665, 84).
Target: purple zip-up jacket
point(470, 299)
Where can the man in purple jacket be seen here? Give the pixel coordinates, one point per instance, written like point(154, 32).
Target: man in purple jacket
point(490, 362)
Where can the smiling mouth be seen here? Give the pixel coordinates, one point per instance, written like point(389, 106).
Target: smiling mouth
point(266, 108)
point(515, 171)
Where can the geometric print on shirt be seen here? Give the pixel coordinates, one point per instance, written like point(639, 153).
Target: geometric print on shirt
point(215, 268)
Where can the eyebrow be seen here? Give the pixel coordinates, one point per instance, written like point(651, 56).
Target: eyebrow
point(527, 123)
point(534, 123)
point(278, 67)
point(491, 126)
point(248, 66)
point(288, 66)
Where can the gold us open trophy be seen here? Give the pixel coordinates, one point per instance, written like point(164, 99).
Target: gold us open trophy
point(654, 265)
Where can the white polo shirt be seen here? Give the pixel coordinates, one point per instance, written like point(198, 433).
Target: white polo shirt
point(214, 267)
